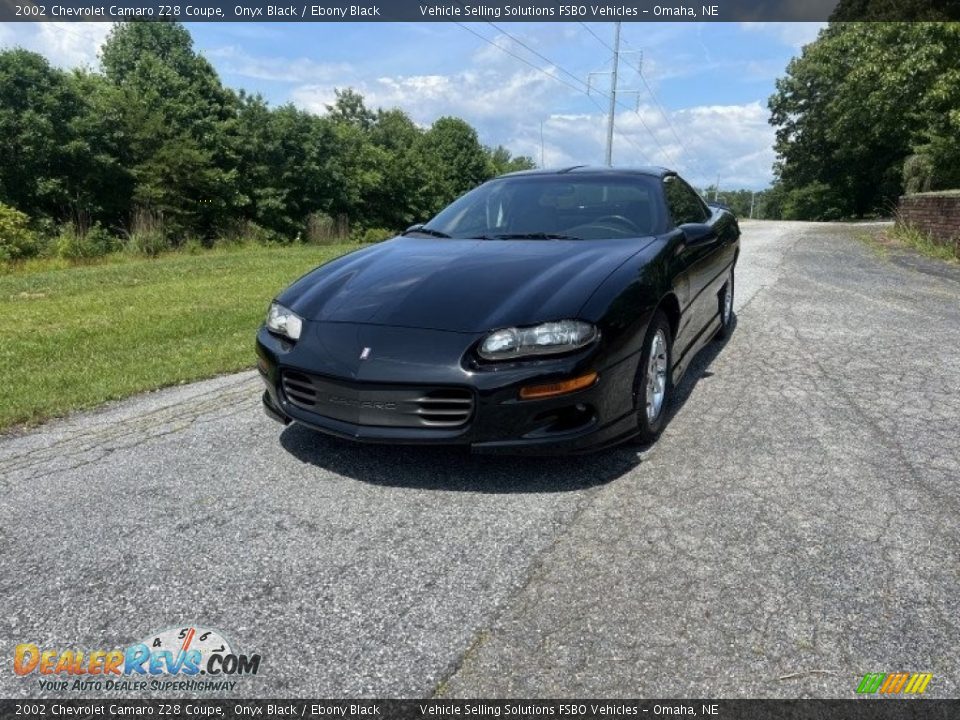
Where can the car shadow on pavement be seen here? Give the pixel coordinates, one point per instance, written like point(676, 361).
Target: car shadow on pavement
point(699, 369)
point(457, 470)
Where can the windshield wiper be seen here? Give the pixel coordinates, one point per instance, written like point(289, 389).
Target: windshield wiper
point(535, 236)
point(426, 231)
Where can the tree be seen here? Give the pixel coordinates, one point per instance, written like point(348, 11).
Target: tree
point(176, 116)
point(403, 196)
point(156, 135)
point(501, 161)
point(855, 105)
point(895, 10)
point(350, 108)
point(38, 106)
point(457, 160)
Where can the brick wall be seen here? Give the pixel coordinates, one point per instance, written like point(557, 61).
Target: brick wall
point(936, 214)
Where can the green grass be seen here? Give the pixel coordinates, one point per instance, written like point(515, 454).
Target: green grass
point(921, 242)
point(72, 337)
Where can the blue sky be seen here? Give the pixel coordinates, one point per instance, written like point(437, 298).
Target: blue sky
point(702, 109)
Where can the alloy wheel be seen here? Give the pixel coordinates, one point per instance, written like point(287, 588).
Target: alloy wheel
point(656, 376)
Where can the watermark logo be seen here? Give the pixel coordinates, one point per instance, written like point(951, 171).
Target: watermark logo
point(894, 683)
point(186, 652)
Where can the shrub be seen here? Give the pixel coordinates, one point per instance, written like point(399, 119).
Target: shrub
point(192, 246)
point(815, 201)
point(322, 229)
point(17, 240)
point(260, 235)
point(247, 231)
point(146, 236)
point(75, 243)
point(917, 174)
point(372, 235)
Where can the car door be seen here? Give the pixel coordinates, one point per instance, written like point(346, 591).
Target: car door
point(699, 255)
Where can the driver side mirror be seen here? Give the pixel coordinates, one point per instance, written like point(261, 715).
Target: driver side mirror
point(698, 233)
point(413, 228)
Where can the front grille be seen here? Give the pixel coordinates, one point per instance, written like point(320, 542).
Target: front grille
point(448, 407)
point(299, 389)
point(378, 404)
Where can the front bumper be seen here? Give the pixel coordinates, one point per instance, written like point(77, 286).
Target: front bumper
point(424, 360)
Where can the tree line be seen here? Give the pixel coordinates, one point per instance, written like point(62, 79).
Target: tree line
point(153, 151)
point(868, 111)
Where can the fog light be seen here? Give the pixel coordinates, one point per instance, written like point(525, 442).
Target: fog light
point(536, 392)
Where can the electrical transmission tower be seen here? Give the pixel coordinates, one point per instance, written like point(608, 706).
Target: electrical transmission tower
point(614, 91)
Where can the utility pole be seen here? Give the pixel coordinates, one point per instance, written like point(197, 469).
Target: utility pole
point(541, 145)
point(716, 189)
point(753, 197)
point(613, 91)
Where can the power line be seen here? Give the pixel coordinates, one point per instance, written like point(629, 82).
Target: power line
point(539, 55)
point(690, 158)
point(583, 90)
point(598, 38)
point(518, 57)
point(586, 91)
point(673, 130)
point(613, 92)
point(617, 55)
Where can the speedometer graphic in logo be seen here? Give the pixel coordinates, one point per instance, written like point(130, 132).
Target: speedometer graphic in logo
point(185, 639)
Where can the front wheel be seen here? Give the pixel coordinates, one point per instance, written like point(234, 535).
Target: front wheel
point(725, 303)
point(652, 386)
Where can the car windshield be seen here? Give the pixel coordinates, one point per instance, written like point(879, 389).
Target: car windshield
point(554, 207)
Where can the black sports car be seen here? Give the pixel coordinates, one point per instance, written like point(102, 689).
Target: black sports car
point(544, 311)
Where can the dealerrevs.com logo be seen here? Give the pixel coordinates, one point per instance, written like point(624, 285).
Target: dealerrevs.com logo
point(184, 653)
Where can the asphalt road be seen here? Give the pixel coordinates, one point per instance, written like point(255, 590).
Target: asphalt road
point(795, 527)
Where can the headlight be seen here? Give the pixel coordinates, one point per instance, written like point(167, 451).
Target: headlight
point(284, 322)
point(546, 339)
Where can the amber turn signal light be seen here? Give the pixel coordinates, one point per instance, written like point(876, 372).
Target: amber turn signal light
point(537, 392)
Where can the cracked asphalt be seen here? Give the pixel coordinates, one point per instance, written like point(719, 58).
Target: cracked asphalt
point(795, 527)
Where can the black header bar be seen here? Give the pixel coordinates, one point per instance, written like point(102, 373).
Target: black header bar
point(473, 10)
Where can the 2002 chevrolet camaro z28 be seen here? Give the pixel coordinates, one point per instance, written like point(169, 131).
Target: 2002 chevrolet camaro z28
point(544, 311)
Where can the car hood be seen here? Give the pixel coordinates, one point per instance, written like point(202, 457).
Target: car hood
point(458, 285)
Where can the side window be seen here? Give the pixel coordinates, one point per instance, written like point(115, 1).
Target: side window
point(684, 204)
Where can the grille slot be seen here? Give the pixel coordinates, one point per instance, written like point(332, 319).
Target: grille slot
point(374, 404)
point(445, 408)
point(299, 389)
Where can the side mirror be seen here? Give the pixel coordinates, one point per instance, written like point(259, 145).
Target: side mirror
point(413, 228)
point(698, 233)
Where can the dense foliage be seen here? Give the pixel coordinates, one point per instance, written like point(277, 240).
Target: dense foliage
point(154, 150)
point(867, 111)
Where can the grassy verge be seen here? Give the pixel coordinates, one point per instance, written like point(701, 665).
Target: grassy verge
point(921, 242)
point(904, 236)
point(75, 336)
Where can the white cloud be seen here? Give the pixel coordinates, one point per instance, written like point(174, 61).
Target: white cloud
point(495, 89)
point(793, 34)
point(64, 44)
point(232, 60)
point(732, 141)
point(507, 103)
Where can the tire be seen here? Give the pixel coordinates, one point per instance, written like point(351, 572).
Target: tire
point(725, 305)
point(652, 393)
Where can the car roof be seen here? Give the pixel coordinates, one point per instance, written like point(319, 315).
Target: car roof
point(651, 170)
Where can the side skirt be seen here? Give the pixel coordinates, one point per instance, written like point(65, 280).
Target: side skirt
point(699, 342)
